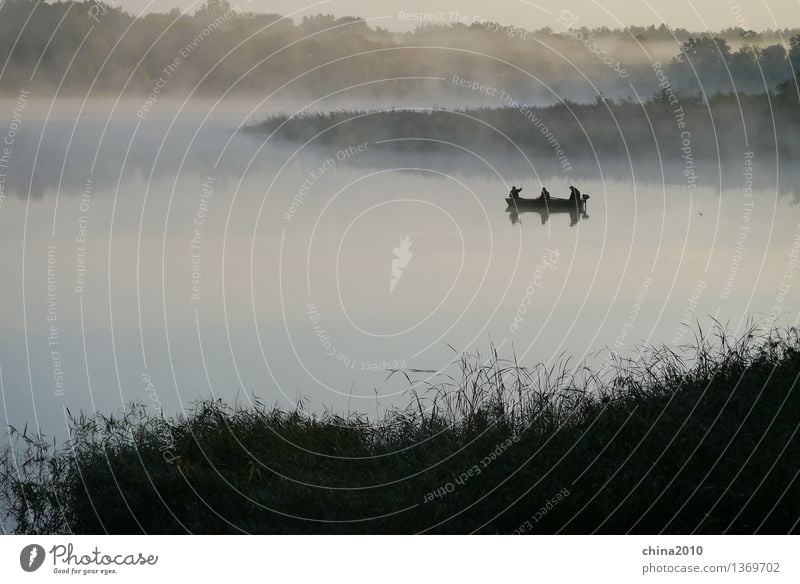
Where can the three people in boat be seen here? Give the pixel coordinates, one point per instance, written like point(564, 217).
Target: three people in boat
point(574, 193)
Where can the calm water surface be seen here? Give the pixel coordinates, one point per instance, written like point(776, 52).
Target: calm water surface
point(169, 259)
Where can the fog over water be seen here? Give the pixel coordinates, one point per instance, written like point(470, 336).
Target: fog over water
point(165, 259)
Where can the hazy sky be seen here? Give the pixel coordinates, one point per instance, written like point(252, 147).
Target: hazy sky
point(530, 14)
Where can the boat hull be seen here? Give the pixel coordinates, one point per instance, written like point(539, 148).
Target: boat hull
point(544, 204)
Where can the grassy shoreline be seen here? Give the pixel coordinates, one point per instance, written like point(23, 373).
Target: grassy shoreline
point(661, 446)
point(664, 128)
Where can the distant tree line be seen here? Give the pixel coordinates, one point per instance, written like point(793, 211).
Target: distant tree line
point(679, 134)
point(78, 47)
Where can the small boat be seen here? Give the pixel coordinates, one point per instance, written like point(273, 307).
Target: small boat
point(546, 207)
point(550, 204)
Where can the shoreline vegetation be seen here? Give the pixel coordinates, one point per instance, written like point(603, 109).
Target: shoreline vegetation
point(664, 444)
point(668, 127)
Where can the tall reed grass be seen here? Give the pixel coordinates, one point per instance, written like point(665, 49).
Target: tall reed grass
point(704, 442)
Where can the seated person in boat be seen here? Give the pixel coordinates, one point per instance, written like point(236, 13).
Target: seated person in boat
point(515, 192)
point(545, 194)
point(574, 194)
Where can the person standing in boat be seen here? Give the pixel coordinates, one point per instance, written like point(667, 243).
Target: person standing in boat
point(545, 194)
point(574, 193)
point(515, 192)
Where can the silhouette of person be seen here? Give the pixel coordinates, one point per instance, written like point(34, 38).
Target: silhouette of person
point(515, 192)
point(545, 193)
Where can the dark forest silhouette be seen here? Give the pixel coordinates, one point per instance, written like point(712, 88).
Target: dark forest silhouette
point(114, 51)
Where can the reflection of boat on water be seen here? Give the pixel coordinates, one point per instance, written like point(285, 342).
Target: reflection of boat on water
point(546, 207)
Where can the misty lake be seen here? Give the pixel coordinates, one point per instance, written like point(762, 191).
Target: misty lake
point(166, 258)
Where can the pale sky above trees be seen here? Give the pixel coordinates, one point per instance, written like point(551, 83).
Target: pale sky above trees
point(393, 14)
